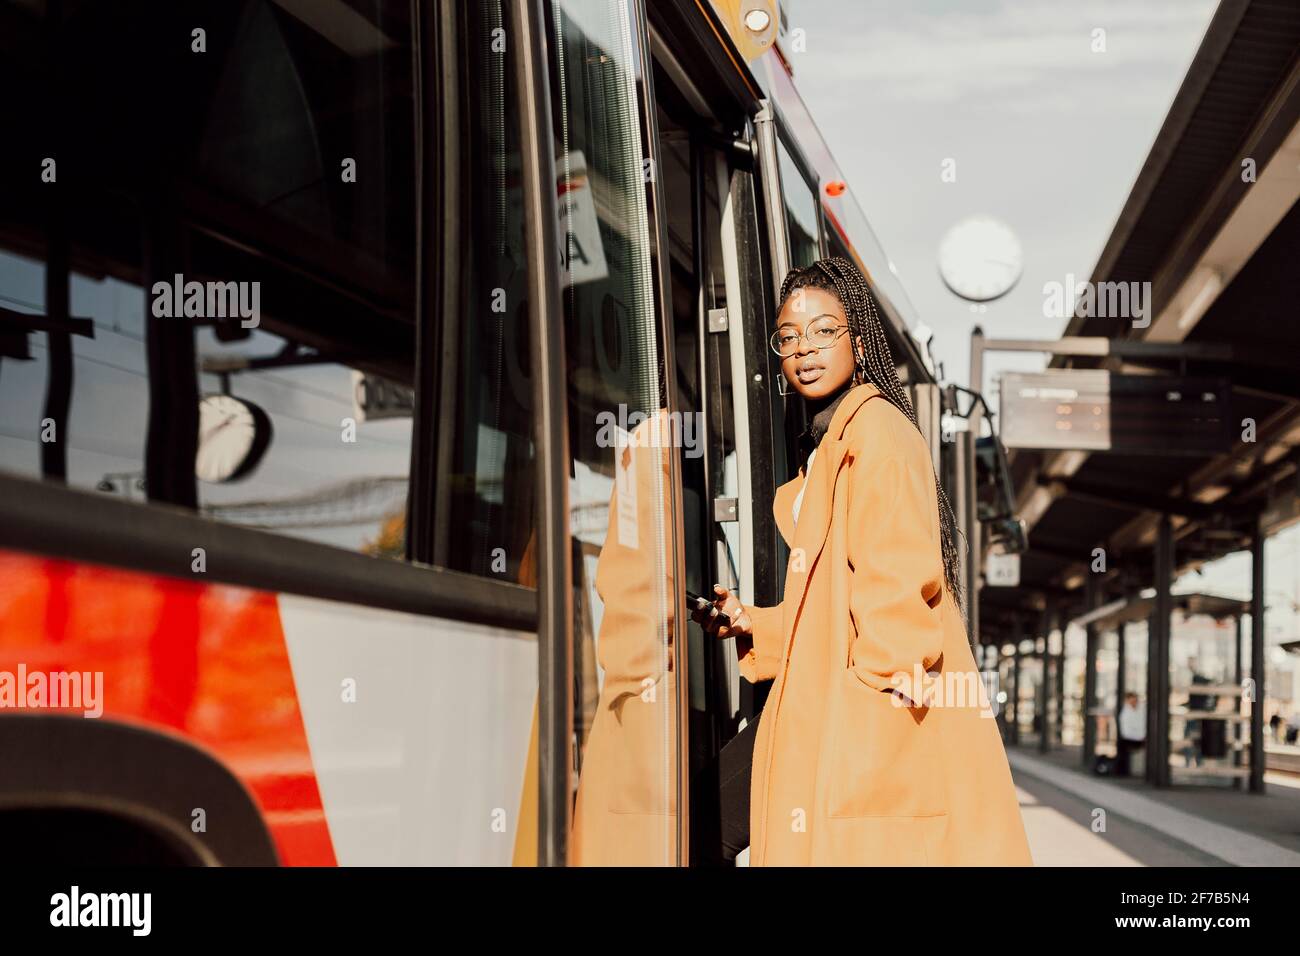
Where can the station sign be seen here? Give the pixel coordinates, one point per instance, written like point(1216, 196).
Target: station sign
point(1002, 570)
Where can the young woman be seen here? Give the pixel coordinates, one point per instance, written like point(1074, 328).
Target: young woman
point(877, 745)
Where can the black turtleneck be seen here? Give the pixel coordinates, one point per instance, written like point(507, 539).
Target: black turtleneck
point(822, 411)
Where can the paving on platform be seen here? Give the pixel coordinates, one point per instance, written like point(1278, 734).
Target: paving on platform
point(1063, 830)
point(1144, 826)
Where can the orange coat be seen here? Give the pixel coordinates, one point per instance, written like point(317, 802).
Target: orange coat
point(625, 812)
point(846, 770)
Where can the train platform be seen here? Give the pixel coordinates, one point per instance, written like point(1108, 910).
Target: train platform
point(1143, 826)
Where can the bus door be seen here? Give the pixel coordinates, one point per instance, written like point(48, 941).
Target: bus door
point(624, 511)
point(720, 316)
point(675, 433)
point(691, 174)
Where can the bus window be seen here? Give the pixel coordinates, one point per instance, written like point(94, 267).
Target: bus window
point(240, 236)
point(484, 484)
point(800, 201)
point(620, 443)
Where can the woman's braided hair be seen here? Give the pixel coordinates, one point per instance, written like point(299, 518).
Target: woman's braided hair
point(874, 363)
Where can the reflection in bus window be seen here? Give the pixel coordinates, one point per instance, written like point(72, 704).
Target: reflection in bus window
point(620, 497)
point(483, 514)
point(800, 210)
point(248, 272)
point(322, 477)
point(103, 436)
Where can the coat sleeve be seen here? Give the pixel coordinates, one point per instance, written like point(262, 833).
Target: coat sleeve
point(632, 573)
point(761, 657)
point(896, 576)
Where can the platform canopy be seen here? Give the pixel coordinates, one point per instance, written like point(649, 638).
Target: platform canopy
point(1127, 610)
point(1213, 224)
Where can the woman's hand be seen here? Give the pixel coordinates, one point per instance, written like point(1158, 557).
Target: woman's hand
point(727, 618)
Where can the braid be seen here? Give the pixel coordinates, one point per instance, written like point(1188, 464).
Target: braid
point(874, 363)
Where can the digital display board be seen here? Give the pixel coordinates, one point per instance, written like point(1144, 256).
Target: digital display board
point(1098, 410)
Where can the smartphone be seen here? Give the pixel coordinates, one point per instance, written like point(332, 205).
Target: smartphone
point(696, 603)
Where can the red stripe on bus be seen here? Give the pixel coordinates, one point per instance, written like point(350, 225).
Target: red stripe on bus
point(207, 662)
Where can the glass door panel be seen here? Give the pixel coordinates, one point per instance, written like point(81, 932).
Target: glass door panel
point(621, 441)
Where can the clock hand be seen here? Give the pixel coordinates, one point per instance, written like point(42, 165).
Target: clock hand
point(217, 428)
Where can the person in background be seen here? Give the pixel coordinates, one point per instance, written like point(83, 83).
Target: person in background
point(1197, 731)
point(1132, 732)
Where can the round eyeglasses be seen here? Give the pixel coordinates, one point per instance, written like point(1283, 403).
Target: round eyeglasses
point(785, 342)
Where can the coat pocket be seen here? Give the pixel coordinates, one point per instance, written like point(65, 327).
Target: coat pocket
point(644, 780)
point(887, 760)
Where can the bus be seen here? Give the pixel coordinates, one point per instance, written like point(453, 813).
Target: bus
point(376, 376)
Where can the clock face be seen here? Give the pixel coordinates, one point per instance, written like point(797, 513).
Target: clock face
point(980, 259)
point(233, 436)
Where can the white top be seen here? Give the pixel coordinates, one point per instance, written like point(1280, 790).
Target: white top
point(807, 470)
point(1132, 723)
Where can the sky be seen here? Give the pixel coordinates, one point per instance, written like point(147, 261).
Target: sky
point(1046, 135)
point(1042, 132)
